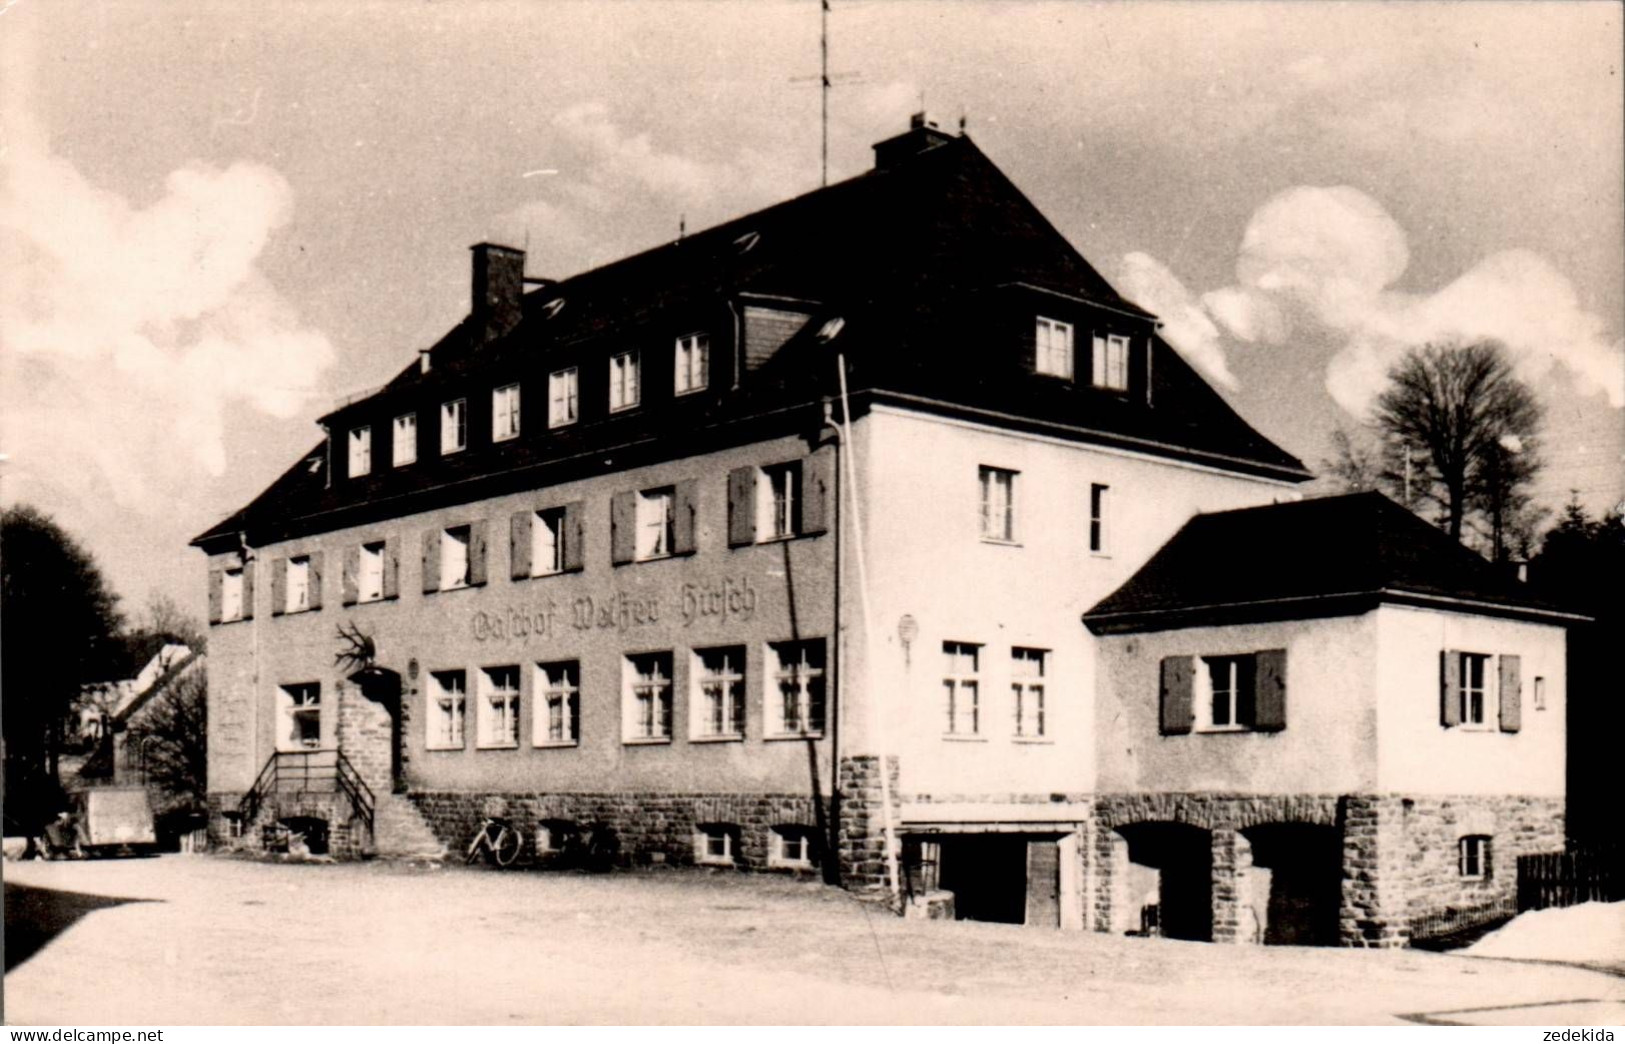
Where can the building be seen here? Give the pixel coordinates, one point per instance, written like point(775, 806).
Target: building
point(691, 545)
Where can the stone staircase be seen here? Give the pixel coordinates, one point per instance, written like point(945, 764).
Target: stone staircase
point(399, 831)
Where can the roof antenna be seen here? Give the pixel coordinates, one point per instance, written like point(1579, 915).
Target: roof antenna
point(826, 80)
point(682, 227)
point(961, 121)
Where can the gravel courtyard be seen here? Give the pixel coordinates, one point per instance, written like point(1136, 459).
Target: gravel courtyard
point(236, 942)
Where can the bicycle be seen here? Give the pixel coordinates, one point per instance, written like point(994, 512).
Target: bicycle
point(500, 841)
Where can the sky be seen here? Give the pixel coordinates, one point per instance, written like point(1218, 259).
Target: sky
point(216, 221)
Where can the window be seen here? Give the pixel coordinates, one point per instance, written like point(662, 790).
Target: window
point(1475, 856)
point(547, 542)
point(792, 847)
point(693, 356)
point(453, 426)
point(716, 843)
point(370, 575)
point(1053, 352)
point(794, 703)
point(505, 413)
point(296, 585)
point(647, 696)
point(558, 703)
point(448, 705)
point(499, 707)
point(405, 449)
point(1111, 362)
point(454, 559)
point(1540, 693)
point(998, 504)
point(1226, 690)
point(300, 711)
point(719, 694)
point(1027, 687)
point(961, 688)
point(360, 451)
point(1474, 669)
point(623, 381)
point(777, 495)
point(1097, 518)
point(656, 523)
point(563, 392)
point(231, 595)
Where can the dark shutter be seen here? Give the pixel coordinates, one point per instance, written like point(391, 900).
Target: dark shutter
point(248, 590)
point(574, 536)
point(741, 507)
point(1449, 688)
point(217, 583)
point(279, 585)
point(314, 581)
point(392, 568)
point(1269, 697)
point(519, 543)
point(817, 491)
point(431, 561)
point(1177, 714)
point(623, 524)
point(478, 532)
point(684, 506)
point(350, 580)
point(1511, 693)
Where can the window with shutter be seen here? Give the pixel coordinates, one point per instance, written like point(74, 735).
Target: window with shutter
point(741, 507)
point(574, 536)
point(350, 577)
point(623, 524)
point(370, 571)
point(1175, 708)
point(217, 578)
point(1511, 692)
point(817, 489)
point(684, 508)
point(1270, 699)
point(392, 568)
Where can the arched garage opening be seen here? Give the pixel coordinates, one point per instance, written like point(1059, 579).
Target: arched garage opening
point(1297, 879)
point(1170, 878)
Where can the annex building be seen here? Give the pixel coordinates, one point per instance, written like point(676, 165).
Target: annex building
point(875, 532)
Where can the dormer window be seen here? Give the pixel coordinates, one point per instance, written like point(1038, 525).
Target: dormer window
point(1053, 348)
point(453, 426)
point(505, 413)
point(1111, 362)
point(406, 439)
point(623, 381)
point(360, 451)
point(693, 357)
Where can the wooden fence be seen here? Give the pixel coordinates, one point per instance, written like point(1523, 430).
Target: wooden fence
point(1548, 879)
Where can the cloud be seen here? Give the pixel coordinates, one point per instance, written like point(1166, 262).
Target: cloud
point(1186, 324)
point(130, 332)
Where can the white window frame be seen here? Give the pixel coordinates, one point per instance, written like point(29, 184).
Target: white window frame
point(791, 675)
point(447, 727)
point(778, 491)
point(1053, 348)
point(997, 488)
point(547, 538)
point(452, 538)
point(656, 522)
point(1206, 694)
point(497, 712)
point(1029, 671)
point(453, 426)
point(296, 584)
point(297, 704)
point(1099, 514)
point(370, 572)
point(404, 440)
point(717, 702)
point(1110, 362)
point(956, 684)
point(636, 684)
point(1488, 712)
point(505, 412)
point(714, 835)
point(1473, 853)
point(558, 685)
point(231, 595)
point(782, 840)
point(360, 445)
point(563, 397)
point(625, 385)
point(692, 363)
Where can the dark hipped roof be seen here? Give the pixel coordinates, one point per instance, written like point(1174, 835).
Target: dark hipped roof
point(907, 254)
point(1331, 556)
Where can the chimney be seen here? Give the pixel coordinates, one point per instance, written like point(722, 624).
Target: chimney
point(922, 136)
point(499, 284)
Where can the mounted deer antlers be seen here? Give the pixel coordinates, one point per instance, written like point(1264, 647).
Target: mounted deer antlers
point(359, 653)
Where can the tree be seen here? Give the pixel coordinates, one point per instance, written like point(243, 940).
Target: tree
point(174, 733)
point(164, 617)
point(1355, 465)
point(1466, 427)
point(60, 623)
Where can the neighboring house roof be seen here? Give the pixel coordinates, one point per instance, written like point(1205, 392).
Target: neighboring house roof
point(911, 255)
point(172, 663)
point(1330, 556)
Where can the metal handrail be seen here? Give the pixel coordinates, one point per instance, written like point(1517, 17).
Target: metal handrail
point(302, 769)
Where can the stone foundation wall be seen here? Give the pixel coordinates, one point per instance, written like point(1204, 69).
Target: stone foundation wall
point(863, 826)
point(1431, 828)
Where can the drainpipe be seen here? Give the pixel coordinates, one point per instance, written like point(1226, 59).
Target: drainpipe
point(832, 863)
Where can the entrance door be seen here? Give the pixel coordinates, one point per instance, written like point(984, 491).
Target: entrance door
point(1044, 884)
point(987, 874)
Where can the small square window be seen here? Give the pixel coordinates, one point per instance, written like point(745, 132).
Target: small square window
point(448, 706)
point(716, 844)
point(623, 381)
point(454, 558)
point(505, 413)
point(792, 847)
point(1053, 350)
point(558, 703)
point(718, 700)
point(405, 445)
point(563, 397)
point(646, 698)
point(1110, 365)
point(370, 577)
point(499, 707)
point(998, 500)
point(656, 522)
point(453, 426)
point(693, 359)
point(360, 451)
point(1475, 856)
